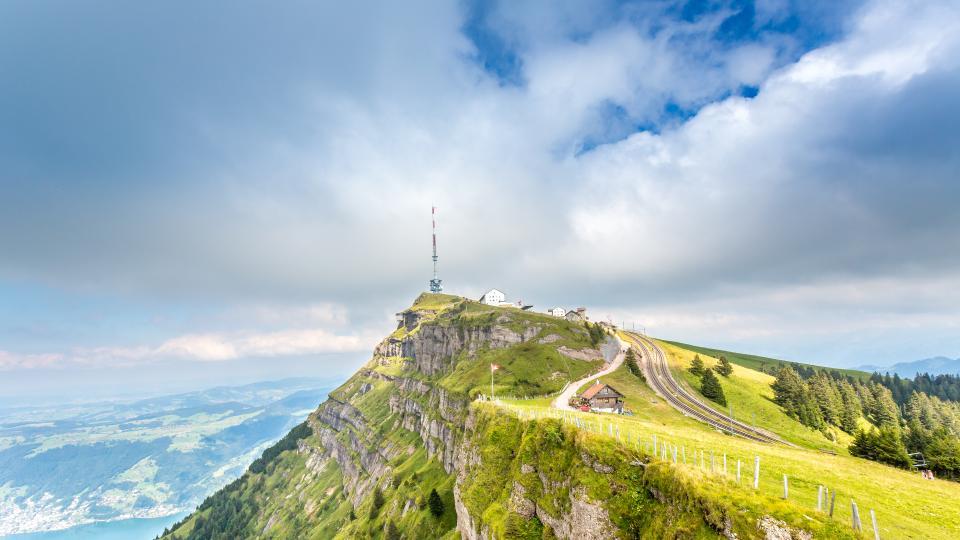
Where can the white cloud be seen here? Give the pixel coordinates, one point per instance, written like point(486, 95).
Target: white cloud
point(831, 177)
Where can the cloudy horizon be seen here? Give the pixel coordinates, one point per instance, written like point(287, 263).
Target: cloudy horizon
point(191, 192)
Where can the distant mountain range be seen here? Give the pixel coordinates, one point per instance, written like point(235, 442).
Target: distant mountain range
point(938, 365)
point(70, 464)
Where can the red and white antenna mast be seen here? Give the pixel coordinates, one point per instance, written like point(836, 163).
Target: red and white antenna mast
point(436, 284)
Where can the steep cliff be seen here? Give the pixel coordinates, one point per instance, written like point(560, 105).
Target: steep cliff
point(408, 424)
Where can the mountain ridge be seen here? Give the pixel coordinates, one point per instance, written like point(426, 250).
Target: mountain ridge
point(935, 365)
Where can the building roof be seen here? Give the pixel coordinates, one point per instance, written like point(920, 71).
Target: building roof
point(492, 290)
point(596, 388)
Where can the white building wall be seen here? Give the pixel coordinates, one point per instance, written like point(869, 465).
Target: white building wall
point(493, 297)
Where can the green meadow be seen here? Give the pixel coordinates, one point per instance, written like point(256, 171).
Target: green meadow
point(906, 505)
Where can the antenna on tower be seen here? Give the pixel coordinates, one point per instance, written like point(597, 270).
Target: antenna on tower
point(436, 284)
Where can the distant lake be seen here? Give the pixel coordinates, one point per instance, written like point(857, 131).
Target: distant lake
point(124, 529)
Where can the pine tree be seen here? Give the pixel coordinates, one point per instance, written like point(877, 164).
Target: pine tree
point(632, 365)
point(435, 503)
point(883, 445)
point(851, 407)
point(376, 503)
point(696, 366)
point(710, 387)
point(724, 368)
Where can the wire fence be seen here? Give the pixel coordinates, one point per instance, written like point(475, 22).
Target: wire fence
point(730, 466)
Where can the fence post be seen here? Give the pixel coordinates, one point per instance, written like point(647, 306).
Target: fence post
point(876, 531)
point(833, 499)
point(674, 454)
point(819, 498)
point(756, 472)
point(786, 489)
point(738, 471)
point(855, 516)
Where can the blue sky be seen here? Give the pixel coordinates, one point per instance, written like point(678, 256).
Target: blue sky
point(193, 192)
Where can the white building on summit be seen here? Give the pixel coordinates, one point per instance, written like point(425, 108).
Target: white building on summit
point(493, 297)
point(557, 311)
point(496, 297)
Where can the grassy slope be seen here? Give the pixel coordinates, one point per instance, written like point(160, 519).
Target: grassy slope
point(906, 506)
point(527, 369)
point(749, 395)
point(762, 363)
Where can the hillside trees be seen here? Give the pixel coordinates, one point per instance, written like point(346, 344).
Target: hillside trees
point(884, 445)
point(792, 393)
point(696, 365)
point(724, 367)
point(927, 424)
point(710, 387)
point(595, 332)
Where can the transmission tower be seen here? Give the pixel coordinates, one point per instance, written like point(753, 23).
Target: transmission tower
point(436, 284)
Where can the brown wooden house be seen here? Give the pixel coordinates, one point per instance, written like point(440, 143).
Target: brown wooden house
point(603, 397)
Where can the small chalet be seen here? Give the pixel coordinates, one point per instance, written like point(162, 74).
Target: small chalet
point(576, 315)
point(557, 311)
point(603, 397)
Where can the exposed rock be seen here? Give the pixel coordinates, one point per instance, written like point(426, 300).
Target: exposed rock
point(434, 347)
point(774, 529)
point(526, 469)
point(520, 504)
point(588, 355)
point(548, 339)
point(585, 521)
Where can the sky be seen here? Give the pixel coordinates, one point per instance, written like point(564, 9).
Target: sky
point(194, 193)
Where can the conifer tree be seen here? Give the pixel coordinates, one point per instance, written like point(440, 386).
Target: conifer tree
point(696, 366)
point(435, 503)
point(392, 533)
point(724, 368)
point(710, 387)
point(376, 503)
point(631, 360)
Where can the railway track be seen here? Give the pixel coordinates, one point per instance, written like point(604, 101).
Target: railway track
point(658, 375)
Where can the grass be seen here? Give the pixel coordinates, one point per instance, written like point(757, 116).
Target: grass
point(750, 398)
point(906, 505)
point(762, 363)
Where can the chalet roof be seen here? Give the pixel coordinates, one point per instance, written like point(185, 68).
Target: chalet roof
point(596, 388)
point(492, 291)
